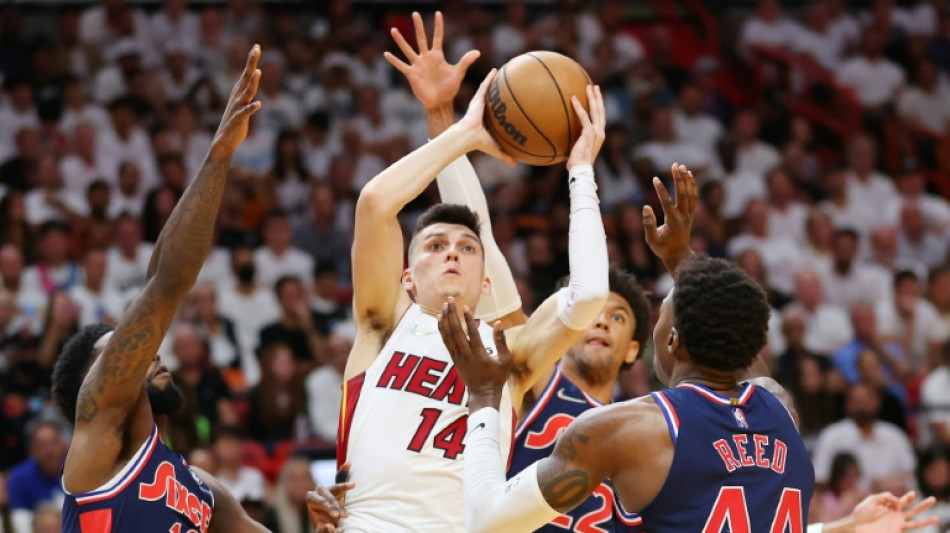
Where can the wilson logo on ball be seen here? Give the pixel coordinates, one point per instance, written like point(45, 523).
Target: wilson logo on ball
point(498, 109)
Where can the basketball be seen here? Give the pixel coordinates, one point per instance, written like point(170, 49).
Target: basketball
point(529, 111)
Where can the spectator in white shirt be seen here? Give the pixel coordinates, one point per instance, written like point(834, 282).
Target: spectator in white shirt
point(86, 164)
point(256, 153)
point(870, 192)
point(883, 451)
point(767, 27)
point(97, 301)
point(875, 79)
point(77, 108)
point(221, 335)
point(279, 110)
point(129, 197)
point(367, 164)
point(917, 242)
point(250, 306)
point(827, 327)
point(818, 40)
point(654, 157)
point(884, 255)
point(925, 104)
point(128, 258)
point(316, 145)
point(278, 257)
point(128, 140)
point(18, 113)
point(912, 185)
point(174, 23)
point(616, 180)
point(819, 232)
point(938, 290)
point(693, 126)
point(843, 211)
point(115, 79)
point(51, 201)
point(753, 156)
point(912, 321)
point(178, 76)
point(935, 404)
point(28, 294)
point(787, 215)
point(510, 37)
point(323, 388)
point(245, 483)
point(848, 282)
point(780, 255)
point(53, 270)
point(843, 24)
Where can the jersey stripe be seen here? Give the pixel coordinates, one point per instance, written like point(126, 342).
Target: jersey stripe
point(712, 396)
point(629, 519)
point(540, 404)
point(98, 521)
point(137, 464)
point(351, 395)
point(671, 419)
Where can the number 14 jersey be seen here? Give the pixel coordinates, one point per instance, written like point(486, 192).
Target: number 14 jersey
point(403, 423)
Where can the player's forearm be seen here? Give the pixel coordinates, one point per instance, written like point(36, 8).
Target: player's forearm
point(491, 503)
point(458, 184)
point(584, 297)
point(387, 193)
point(182, 246)
point(439, 119)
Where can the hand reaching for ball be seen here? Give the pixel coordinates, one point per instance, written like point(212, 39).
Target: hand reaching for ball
point(592, 135)
point(473, 123)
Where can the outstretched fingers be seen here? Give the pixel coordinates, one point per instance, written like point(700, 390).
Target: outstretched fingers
point(438, 32)
point(598, 112)
point(421, 40)
point(400, 65)
point(466, 61)
point(665, 199)
point(403, 45)
point(581, 112)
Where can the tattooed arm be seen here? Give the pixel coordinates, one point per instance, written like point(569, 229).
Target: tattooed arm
point(114, 383)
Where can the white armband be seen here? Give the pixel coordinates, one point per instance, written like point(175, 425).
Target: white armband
point(458, 184)
point(491, 503)
point(582, 300)
point(815, 528)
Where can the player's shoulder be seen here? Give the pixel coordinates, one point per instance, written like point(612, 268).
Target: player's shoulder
point(637, 417)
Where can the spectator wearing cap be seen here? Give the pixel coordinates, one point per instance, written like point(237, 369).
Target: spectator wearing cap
point(915, 241)
point(884, 453)
point(912, 321)
point(245, 483)
point(848, 281)
point(36, 481)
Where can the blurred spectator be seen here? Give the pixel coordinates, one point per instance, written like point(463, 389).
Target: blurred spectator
point(779, 254)
point(221, 335)
point(61, 323)
point(752, 155)
point(47, 519)
point(510, 37)
point(324, 388)
point(127, 140)
point(191, 141)
point(819, 235)
point(866, 337)
point(128, 258)
point(52, 270)
point(35, 482)
point(325, 298)
point(616, 180)
point(933, 478)
point(174, 23)
point(289, 514)
point(767, 27)
point(18, 113)
point(297, 325)
point(278, 257)
point(77, 109)
point(827, 327)
point(934, 424)
point(275, 403)
point(279, 110)
point(86, 164)
point(875, 79)
point(29, 295)
point(129, 197)
point(693, 126)
point(849, 282)
point(19, 168)
point(366, 164)
point(97, 301)
point(843, 210)
point(912, 185)
point(843, 492)
point(925, 104)
point(817, 39)
point(289, 180)
point(654, 157)
point(869, 191)
point(95, 230)
point(885, 457)
point(316, 232)
point(918, 243)
point(938, 290)
point(243, 482)
point(14, 228)
point(315, 145)
point(871, 372)
point(159, 203)
point(207, 396)
point(912, 321)
point(786, 217)
point(50, 201)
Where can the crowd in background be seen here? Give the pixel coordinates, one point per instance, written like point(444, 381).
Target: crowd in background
point(106, 112)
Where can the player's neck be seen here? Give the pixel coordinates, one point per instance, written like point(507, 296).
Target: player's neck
point(718, 381)
point(593, 382)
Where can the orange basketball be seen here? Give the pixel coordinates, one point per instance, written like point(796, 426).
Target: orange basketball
point(528, 109)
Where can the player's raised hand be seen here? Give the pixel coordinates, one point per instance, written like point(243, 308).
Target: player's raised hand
point(670, 242)
point(241, 106)
point(473, 122)
point(434, 81)
point(592, 136)
point(325, 504)
point(483, 373)
point(885, 513)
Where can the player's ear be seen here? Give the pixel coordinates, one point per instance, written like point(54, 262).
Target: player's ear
point(486, 285)
point(407, 282)
point(633, 350)
point(673, 343)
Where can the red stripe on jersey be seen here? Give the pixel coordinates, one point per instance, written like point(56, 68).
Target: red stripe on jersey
point(514, 426)
point(351, 395)
point(129, 478)
point(98, 521)
point(539, 405)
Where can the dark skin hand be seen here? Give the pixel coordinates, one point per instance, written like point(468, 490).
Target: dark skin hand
point(113, 416)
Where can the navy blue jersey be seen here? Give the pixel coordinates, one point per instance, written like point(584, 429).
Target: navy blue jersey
point(156, 492)
point(558, 405)
point(739, 465)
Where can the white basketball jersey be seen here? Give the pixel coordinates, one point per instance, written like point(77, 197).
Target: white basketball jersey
point(402, 426)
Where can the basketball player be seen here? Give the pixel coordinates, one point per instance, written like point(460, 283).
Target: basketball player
point(118, 474)
point(682, 456)
point(403, 419)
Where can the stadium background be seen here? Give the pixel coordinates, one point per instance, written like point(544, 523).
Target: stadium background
point(817, 130)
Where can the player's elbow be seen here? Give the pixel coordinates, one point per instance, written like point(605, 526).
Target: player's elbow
point(374, 202)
